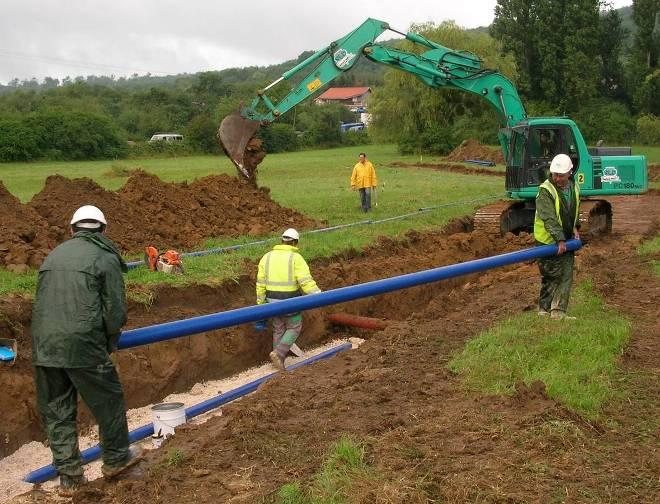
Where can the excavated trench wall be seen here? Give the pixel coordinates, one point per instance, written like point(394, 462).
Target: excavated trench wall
point(151, 372)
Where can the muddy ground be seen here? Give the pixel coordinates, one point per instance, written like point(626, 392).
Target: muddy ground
point(145, 211)
point(427, 438)
point(450, 167)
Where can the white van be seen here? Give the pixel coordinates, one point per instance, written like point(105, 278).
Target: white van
point(166, 137)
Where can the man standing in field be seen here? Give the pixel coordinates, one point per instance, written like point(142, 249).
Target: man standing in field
point(78, 312)
point(364, 180)
point(557, 220)
point(284, 274)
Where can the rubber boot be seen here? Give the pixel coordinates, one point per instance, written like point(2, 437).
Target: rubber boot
point(135, 455)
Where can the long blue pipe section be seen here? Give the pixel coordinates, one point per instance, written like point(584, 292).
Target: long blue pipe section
point(49, 472)
point(176, 329)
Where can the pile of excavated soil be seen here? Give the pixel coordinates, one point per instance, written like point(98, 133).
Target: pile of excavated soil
point(216, 205)
point(472, 149)
point(146, 211)
point(25, 237)
point(128, 225)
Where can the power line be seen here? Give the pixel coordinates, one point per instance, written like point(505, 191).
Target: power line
point(79, 64)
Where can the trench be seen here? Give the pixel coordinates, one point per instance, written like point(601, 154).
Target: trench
point(154, 371)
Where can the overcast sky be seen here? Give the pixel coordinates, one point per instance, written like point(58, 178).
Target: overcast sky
point(59, 38)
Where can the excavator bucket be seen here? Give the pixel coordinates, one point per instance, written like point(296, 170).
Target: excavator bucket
point(236, 137)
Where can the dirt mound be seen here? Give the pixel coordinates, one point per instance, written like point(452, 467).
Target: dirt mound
point(60, 197)
point(149, 211)
point(472, 149)
point(212, 206)
point(25, 237)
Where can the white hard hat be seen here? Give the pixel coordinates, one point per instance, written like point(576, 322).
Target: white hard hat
point(561, 164)
point(290, 234)
point(88, 213)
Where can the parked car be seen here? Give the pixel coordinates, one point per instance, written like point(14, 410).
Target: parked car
point(166, 137)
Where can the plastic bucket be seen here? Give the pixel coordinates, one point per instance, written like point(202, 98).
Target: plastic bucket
point(166, 417)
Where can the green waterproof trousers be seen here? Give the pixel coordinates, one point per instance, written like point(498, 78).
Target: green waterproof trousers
point(556, 282)
point(57, 400)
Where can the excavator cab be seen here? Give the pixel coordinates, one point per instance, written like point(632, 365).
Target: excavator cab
point(531, 149)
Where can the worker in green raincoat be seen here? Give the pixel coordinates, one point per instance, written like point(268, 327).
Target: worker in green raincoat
point(557, 220)
point(78, 312)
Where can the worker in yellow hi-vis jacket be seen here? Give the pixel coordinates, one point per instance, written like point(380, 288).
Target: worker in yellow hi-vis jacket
point(284, 274)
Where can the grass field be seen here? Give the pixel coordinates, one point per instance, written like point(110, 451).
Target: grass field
point(314, 182)
point(576, 361)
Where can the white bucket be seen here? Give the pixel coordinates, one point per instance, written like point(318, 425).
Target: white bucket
point(166, 417)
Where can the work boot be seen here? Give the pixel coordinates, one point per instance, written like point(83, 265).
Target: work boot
point(277, 361)
point(69, 484)
point(135, 455)
point(543, 313)
point(560, 315)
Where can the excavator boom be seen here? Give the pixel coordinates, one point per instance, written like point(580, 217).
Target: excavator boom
point(438, 67)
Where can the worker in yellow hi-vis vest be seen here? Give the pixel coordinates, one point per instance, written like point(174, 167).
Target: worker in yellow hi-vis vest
point(284, 274)
point(557, 219)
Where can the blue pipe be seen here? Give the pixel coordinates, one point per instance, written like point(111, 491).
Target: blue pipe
point(176, 329)
point(90, 454)
point(480, 162)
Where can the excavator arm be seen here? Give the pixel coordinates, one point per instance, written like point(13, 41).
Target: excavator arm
point(438, 67)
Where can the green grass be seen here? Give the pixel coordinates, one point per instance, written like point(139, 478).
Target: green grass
point(332, 484)
point(575, 359)
point(651, 248)
point(314, 182)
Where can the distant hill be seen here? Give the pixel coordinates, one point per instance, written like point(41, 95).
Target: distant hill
point(365, 72)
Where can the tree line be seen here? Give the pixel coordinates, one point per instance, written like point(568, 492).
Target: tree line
point(567, 57)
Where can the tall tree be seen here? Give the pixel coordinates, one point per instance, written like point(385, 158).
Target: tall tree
point(556, 45)
point(611, 39)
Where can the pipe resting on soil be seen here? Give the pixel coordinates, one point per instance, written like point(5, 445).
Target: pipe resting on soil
point(48, 472)
point(179, 328)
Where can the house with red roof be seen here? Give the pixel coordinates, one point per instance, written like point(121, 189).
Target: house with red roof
point(352, 97)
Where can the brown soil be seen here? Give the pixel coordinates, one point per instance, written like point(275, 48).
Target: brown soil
point(472, 149)
point(146, 211)
point(25, 237)
point(427, 438)
point(654, 173)
point(453, 168)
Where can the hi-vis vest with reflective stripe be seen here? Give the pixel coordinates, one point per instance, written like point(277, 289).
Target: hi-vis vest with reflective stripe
point(283, 273)
point(540, 233)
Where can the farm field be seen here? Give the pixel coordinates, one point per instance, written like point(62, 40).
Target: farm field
point(466, 396)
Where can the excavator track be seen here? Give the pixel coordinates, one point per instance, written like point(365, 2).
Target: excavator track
point(504, 217)
point(511, 216)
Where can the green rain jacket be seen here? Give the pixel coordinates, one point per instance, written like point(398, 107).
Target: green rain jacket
point(80, 305)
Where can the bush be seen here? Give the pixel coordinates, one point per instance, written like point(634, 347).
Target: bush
point(606, 120)
point(279, 137)
point(76, 135)
point(434, 140)
point(17, 141)
point(201, 134)
point(648, 130)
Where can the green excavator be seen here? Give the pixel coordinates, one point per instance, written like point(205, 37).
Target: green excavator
point(528, 143)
